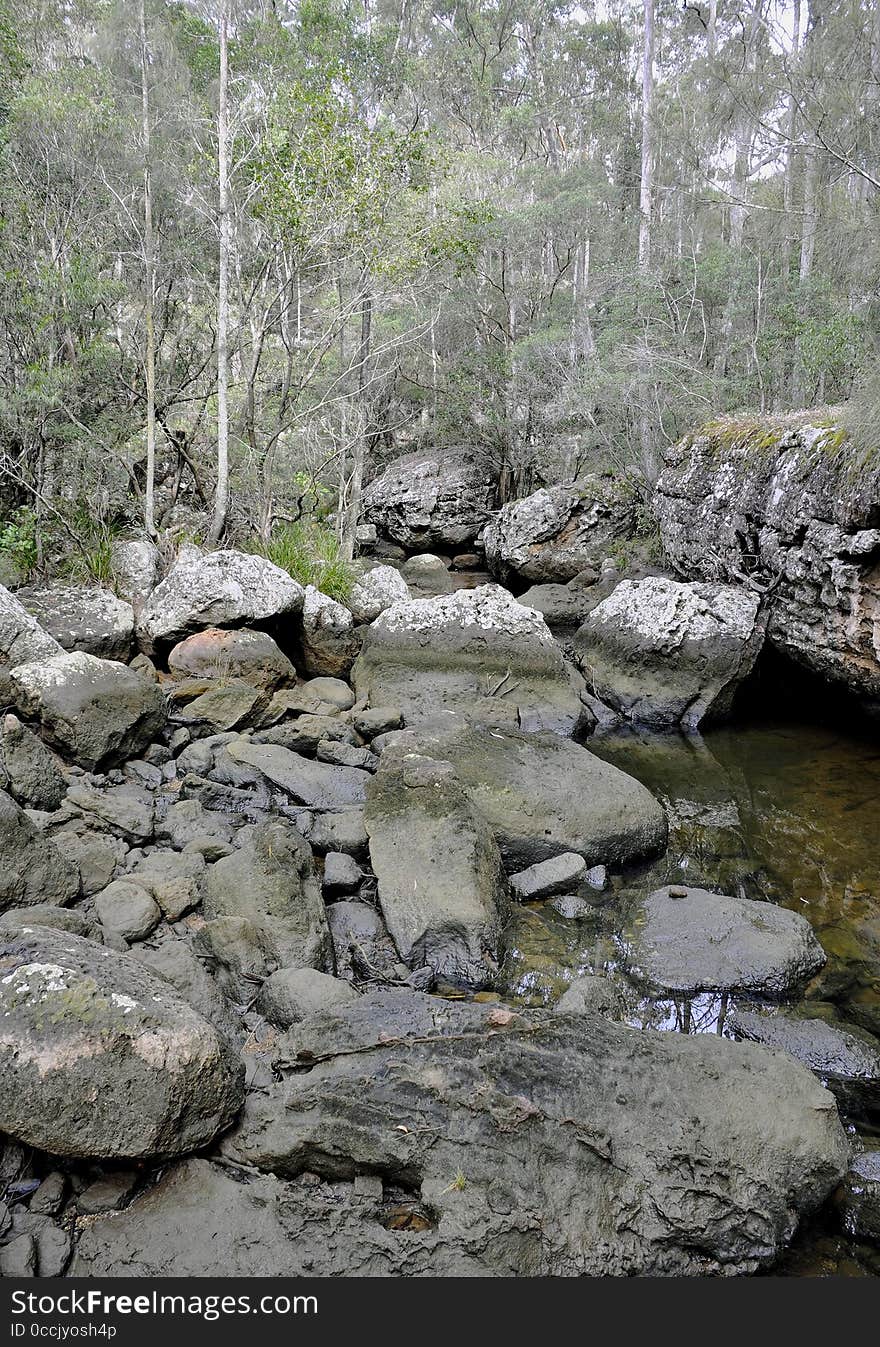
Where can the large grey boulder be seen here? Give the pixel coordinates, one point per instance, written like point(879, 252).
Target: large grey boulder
point(135, 563)
point(28, 770)
point(292, 994)
point(441, 882)
point(80, 618)
point(100, 1058)
point(245, 654)
point(584, 1147)
point(664, 653)
point(270, 881)
point(376, 590)
point(21, 636)
point(93, 711)
point(32, 868)
point(689, 940)
point(319, 785)
point(328, 641)
point(476, 651)
point(790, 502)
point(216, 589)
point(543, 795)
point(432, 498)
point(559, 531)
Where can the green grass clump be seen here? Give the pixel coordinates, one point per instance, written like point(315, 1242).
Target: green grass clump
point(309, 552)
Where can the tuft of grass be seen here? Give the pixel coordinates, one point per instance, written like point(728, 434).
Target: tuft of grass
point(93, 559)
point(309, 552)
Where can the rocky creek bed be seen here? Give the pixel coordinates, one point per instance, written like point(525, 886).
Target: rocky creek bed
point(413, 937)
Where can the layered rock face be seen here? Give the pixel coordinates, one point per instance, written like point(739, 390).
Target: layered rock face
point(664, 653)
point(789, 503)
point(559, 531)
point(432, 498)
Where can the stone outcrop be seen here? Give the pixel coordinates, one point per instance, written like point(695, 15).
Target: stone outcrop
point(664, 653)
point(216, 589)
point(102, 1058)
point(432, 498)
point(476, 651)
point(559, 531)
point(792, 504)
point(89, 619)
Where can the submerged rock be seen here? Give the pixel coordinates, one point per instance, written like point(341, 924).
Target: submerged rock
point(100, 1058)
point(476, 651)
point(689, 940)
point(559, 531)
point(585, 1147)
point(664, 653)
point(80, 618)
point(95, 712)
point(216, 589)
point(432, 498)
point(441, 883)
point(789, 501)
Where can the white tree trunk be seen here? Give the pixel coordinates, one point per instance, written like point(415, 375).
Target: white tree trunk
point(221, 498)
point(647, 183)
point(150, 285)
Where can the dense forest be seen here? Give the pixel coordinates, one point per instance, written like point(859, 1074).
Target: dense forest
point(249, 251)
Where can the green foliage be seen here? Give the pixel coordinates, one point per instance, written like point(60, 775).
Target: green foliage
point(18, 540)
point(309, 552)
point(92, 562)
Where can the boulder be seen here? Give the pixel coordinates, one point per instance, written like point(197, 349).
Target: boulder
point(71, 919)
point(543, 795)
point(331, 691)
point(135, 563)
point(586, 1148)
point(556, 875)
point(477, 651)
point(860, 1198)
point(432, 498)
point(173, 879)
point(689, 940)
point(559, 531)
point(93, 711)
point(270, 881)
point(564, 607)
point(790, 502)
point(127, 910)
point(226, 706)
point(328, 641)
point(174, 961)
point(89, 619)
point(304, 734)
point(292, 994)
point(665, 653)
point(342, 874)
point(317, 784)
point(28, 770)
point(21, 636)
point(245, 654)
point(844, 1057)
point(441, 882)
point(100, 1058)
point(216, 589)
point(427, 575)
point(32, 868)
point(360, 940)
point(127, 811)
point(376, 590)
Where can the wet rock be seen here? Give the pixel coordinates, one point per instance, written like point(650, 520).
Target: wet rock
point(32, 868)
point(563, 607)
point(342, 874)
point(127, 910)
point(226, 707)
point(845, 1057)
point(245, 654)
point(432, 498)
point(216, 589)
point(543, 795)
point(270, 881)
point(570, 906)
point(591, 995)
point(92, 711)
point(671, 1141)
point(859, 1202)
point(28, 771)
point(328, 640)
point(92, 620)
point(360, 940)
point(788, 500)
point(376, 590)
point(292, 994)
point(559, 531)
point(554, 875)
point(441, 883)
point(22, 639)
point(689, 940)
point(664, 653)
point(101, 1058)
point(476, 651)
point(135, 569)
point(316, 784)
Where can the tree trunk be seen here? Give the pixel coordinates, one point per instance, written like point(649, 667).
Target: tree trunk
point(150, 286)
point(646, 189)
point(221, 498)
point(356, 481)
